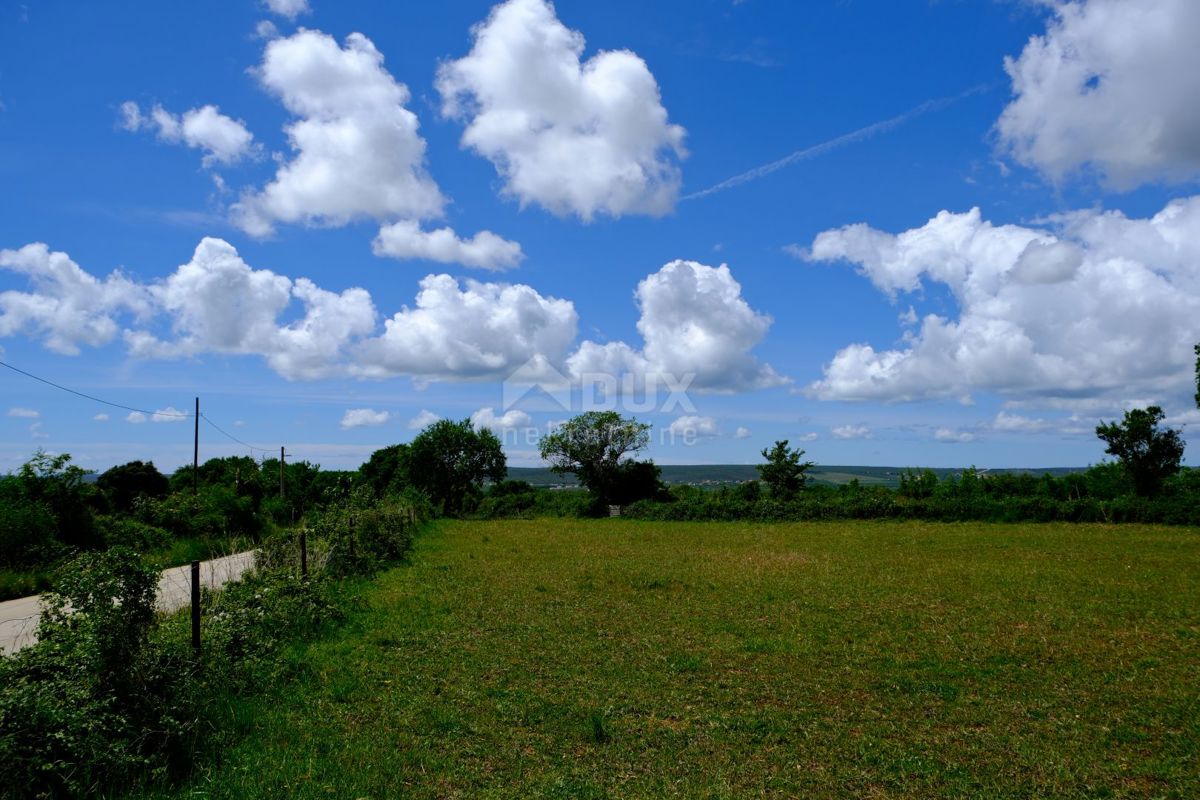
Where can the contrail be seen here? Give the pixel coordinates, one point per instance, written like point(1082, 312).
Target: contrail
point(841, 141)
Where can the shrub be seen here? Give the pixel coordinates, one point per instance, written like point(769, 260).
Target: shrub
point(95, 701)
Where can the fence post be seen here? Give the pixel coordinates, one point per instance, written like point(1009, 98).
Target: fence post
point(196, 607)
point(303, 555)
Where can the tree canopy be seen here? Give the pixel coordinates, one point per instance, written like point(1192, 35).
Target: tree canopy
point(1149, 454)
point(784, 471)
point(449, 460)
point(592, 446)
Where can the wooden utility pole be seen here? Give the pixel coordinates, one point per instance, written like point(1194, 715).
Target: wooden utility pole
point(281, 457)
point(196, 453)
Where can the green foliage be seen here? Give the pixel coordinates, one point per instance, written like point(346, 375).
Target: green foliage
point(95, 701)
point(1149, 455)
point(784, 471)
point(386, 471)
point(132, 533)
point(450, 460)
point(592, 446)
point(124, 484)
point(636, 480)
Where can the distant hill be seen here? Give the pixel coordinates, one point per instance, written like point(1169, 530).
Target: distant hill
point(717, 475)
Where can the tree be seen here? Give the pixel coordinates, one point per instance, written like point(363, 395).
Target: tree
point(784, 471)
point(449, 460)
point(1148, 454)
point(127, 482)
point(593, 446)
point(386, 471)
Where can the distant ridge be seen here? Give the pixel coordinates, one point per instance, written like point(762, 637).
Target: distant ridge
point(729, 474)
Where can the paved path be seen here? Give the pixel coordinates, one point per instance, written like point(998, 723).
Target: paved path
point(19, 618)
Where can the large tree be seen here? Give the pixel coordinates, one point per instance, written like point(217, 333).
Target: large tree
point(1149, 454)
point(593, 446)
point(784, 471)
point(449, 460)
point(124, 484)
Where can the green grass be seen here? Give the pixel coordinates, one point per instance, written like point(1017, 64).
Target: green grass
point(616, 659)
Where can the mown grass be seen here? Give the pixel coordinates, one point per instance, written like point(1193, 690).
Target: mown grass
point(616, 659)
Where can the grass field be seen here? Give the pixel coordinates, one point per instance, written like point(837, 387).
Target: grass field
point(593, 659)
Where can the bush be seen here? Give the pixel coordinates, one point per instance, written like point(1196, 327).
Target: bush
point(95, 701)
point(132, 533)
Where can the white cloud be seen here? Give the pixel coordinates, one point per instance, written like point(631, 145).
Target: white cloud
point(36, 432)
point(1096, 305)
point(575, 137)
point(693, 321)
point(217, 303)
point(223, 140)
point(851, 432)
point(265, 29)
point(422, 420)
point(288, 8)
point(485, 250)
point(24, 413)
point(364, 418)
point(102, 417)
point(808, 437)
point(950, 435)
point(1015, 423)
point(485, 330)
point(694, 425)
point(357, 150)
point(169, 414)
point(1111, 85)
point(510, 420)
point(135, 417)
point(68, 307)
point(741, 433)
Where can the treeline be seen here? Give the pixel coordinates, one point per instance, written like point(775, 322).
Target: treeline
point(50, 510)
point(1103, 493)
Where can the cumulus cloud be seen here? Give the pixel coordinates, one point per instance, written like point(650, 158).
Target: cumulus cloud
point(741, 433)
point(1110, 86)
point(67, 306)
point(101, 417)
point(808, 437)
point(422, 420)
point(850, 432)
point(218, 303)
point(576, 137)
point(24, 413)
point(135, 417)
point(471, 330)
point(694, 321)
point(222, 139)
point(951, 436)
point(1094, 304)
point(169, 414)
point(510, 420)
point(287, 8)
point(694, 425)
point(364, 418)
point(1015, 423)
point(357, 152)
point(485, 250)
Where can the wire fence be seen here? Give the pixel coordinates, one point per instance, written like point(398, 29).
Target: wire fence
point(19, 618)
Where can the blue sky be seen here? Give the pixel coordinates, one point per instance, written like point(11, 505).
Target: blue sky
point(329, 218)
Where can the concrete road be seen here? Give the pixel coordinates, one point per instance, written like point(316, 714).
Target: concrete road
point(19, 618)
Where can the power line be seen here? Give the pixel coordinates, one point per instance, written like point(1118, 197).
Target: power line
point(93, 398)
point(231, 437)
